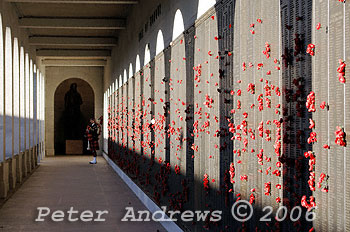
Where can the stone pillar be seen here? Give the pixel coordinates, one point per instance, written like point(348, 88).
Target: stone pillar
point(12, 172)
point(24, 164)
point(19, 167)
point(4, 179)
point(29, 160)
point(33, 155)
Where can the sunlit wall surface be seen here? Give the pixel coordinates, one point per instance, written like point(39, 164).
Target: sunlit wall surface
point(31, 108)
point(8, 94)
point(27, 76)
point(16, 95)
point(22, 100)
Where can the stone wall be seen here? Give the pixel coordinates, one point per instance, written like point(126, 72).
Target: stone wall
point(221, 115)
point(21, 121)
point(54, 77)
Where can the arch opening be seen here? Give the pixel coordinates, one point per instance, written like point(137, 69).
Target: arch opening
point(22, 98)
point(120, 81)
point(179, 25)
point(125, 76)
point(8, 93)
point(27, 99)
point(74, 105)
point(204, 6)
point(16, 94)
point(137, 64)
point(147, 54)
point(131, 72)
point(160, 42)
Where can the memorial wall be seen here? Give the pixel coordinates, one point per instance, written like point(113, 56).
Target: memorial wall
point(251, 102)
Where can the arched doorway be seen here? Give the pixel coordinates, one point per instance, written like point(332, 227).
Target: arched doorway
point(74, 106)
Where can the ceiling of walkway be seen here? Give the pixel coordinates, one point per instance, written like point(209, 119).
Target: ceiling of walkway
point(71, 29)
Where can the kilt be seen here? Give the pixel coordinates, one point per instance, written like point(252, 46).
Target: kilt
point(94, 146)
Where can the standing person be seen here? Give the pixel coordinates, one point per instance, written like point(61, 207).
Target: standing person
point(93, 131)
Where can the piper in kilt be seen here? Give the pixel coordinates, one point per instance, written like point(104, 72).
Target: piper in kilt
point(92, 133)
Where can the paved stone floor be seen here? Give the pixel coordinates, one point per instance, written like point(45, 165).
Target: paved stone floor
point(69, 181)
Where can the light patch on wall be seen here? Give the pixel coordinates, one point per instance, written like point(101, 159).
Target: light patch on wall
point(22, 97)
point(160, 42)
point(147, 54)
point(131, 72)
point(137, 64)
point(27, 77)
point(8, 73)
point(15, 78)
point(31, 99)
point(179, 26)
point(120, 81)
point(8, 93)
point(204, 6)
point(125, 76)
point(16, 94)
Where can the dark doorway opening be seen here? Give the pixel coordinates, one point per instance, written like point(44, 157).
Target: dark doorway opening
point(74, 106)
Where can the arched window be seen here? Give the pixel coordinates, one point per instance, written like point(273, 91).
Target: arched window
point(27, 83)
point(137, 64)
point(147, 54)
point(125, 76)
point(160, 42)
point(31, 105)
point(131, 72)
point(116, 84)
point(1, 87)
point(120, 81)
point(179, 26)
point(204, 6)
point(22, 98)
point(35, 101)
point(8, 93)
point(16, 94)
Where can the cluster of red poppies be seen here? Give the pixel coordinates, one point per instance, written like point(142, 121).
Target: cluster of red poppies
point(267, 189)
point(278, 144)
point(206, 182)
point(252, 198)
point(322, 183)
point(340, 137)
point(312, 161)
point(232, 173)
point(267, 50)
point(341, 71)
point(310, 102)
point(323, 105)
point(198, 74)
point(307, 205)
point(261, 102)
point(244, 67)
point(177, 169)
point(252, 26)
point(251, 88)
point(260, 156)
point(312, 138)
point(244, 178)
point(311, 49)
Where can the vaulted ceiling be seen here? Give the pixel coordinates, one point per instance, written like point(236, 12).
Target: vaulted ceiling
point(73, 29)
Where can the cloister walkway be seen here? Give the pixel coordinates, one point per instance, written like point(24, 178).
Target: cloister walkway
point(62, 182)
